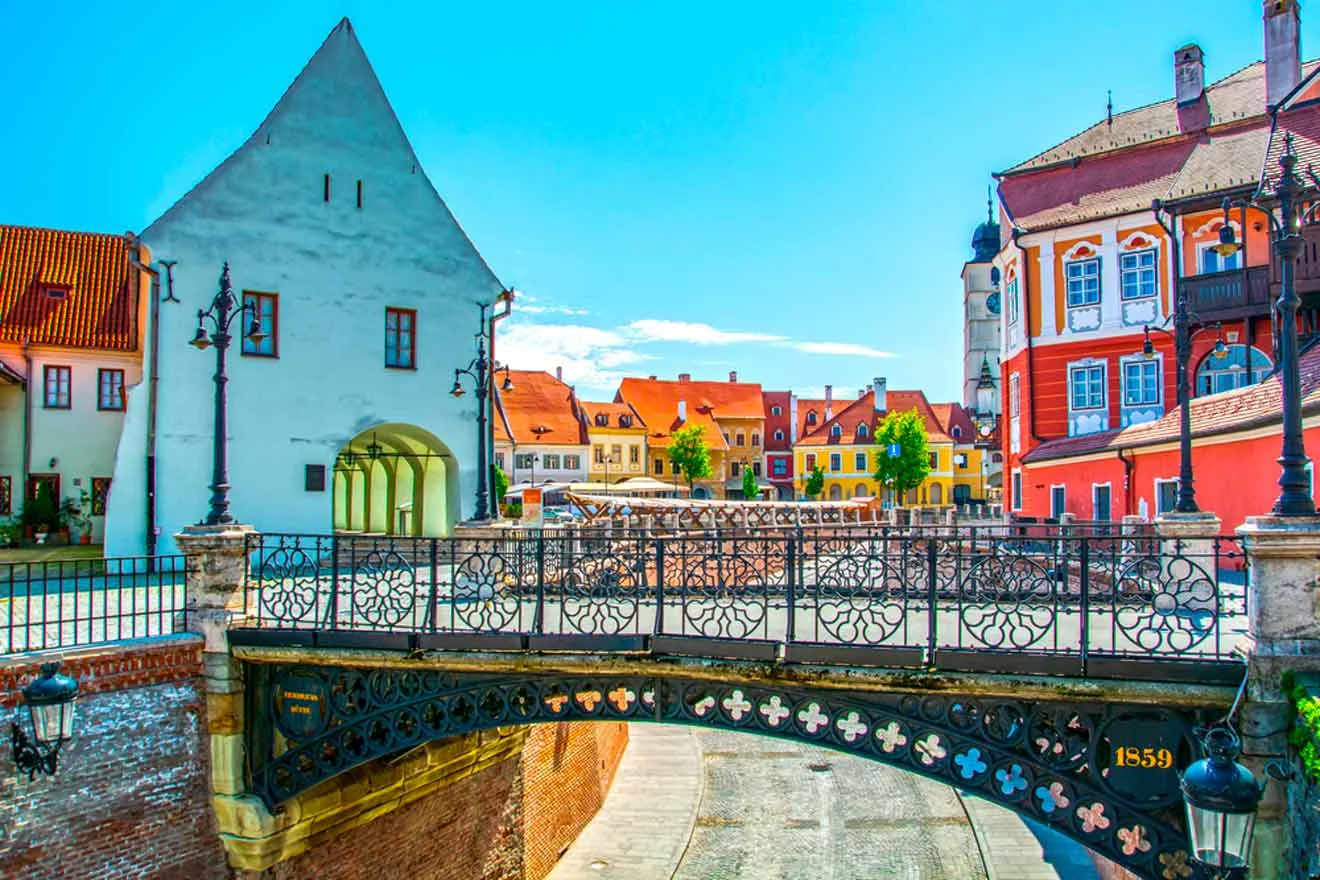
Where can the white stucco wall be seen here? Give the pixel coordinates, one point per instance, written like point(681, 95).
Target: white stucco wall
point(80, 440)
point(336, 267)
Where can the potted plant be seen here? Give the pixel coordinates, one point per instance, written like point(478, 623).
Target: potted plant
point(11, 530)
point(79, 515)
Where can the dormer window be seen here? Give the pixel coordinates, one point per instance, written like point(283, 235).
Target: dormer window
point(776, 411)
point(957, 432)
point(836, 431)
point(625, 421)
point(602, 420)
point(861, 430)
point(55, 293)
point(811, 417)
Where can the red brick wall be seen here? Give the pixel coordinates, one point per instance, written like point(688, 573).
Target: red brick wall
point(568, 769)
point(1109, 871)
point(465, 831)
point(132, 796)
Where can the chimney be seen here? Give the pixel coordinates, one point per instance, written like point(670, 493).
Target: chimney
point(881, 396)
point(682, 410)
point(733, 375)
point(559, 373)
point(1283, 49)
point(861, 392)
point(829, 402)
point(685, 377)
point(1188, 74)
point(652, 378)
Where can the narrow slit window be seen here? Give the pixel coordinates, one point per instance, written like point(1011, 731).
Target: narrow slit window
point(326, 187)
point(359, 195)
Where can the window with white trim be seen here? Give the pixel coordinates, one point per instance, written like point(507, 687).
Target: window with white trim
point(859, 461)
point(1086, 386)
point(1058, 501)
point(1014, 395)
point(1141, 382)
point(1166, 496)
point(1014, 300)
point(1017, 490)
point(1083, 280)
point(1136, 271)
point(1210, 261)
point(836, 462)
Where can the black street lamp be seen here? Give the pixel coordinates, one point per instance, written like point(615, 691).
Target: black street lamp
point(50, 701)
point(222, 314)
point(1221, 797)
point(1295, 485)
point(480, 370)
point(1182, 353)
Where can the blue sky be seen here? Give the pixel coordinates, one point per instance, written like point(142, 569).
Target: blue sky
point(782, 189)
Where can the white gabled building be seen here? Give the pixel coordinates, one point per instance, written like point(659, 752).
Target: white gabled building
point(370, 294)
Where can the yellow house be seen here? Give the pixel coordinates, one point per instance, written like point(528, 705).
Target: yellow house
point(843, 444)
point(617, 436)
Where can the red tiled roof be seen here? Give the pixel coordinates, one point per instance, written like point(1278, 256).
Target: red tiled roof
point(805, 406)
point(862, 411)
point(951, 415)
point(539, 410)
point(782, 422)
point(613, 412)
point(1213, 414)
point(1120, 167)
point(656, 401)
point(99, 309)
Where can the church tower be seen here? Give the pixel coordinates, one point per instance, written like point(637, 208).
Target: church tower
point(981, 325)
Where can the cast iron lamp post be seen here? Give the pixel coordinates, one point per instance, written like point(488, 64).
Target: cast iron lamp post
point(480, 370)
point(50, 701)
point(1295, 485)
point(1182, 353)
point(221, 314)
point(1221, 797)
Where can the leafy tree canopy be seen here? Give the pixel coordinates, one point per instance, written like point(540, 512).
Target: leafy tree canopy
point(689, 451)
point(816, 482)
point(751, 486)
point(911, 466)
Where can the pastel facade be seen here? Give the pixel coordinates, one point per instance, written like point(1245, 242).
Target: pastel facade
point(730, 408)
point(71, 339)
point(369, 292)
point(540, 430)
point(1085, 267)
point(779, 436)
point(617, 436)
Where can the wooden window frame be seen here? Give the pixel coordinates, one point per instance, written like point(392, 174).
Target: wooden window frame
point(46, 372)
point(101, 374)
point(100, 493)
point(412, 337)
point(272, 333)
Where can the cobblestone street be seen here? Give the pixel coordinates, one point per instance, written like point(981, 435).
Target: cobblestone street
point(755, 807)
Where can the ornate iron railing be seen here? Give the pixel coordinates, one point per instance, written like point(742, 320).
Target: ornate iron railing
point(67, 603)
point(989, 600)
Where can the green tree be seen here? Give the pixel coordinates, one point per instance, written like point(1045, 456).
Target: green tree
point(909, 469)
point(688, 450)
point(751, 486)
point(815, 483)
point(501, 487)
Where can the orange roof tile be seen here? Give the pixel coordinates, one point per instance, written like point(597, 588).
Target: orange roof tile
point(656, 401)
point(540, 410)
point(806, 406)
point(614, 414)
point(951, 415)
point(862, 411)
point(1222, 413)
point(99, 307)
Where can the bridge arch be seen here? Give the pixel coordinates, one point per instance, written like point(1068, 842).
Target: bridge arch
point(396, 479)
point(1057, 762)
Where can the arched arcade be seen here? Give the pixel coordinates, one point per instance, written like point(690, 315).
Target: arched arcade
point(396, 479)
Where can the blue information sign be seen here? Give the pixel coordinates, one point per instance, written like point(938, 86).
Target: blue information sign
point(895, 450)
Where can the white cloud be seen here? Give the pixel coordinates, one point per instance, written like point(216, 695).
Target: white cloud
point(589, 356)
point(552, 310)
point(846, 349)
point(653, 330)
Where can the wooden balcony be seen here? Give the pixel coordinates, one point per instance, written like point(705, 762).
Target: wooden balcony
point(1307, 276)
point(1227, 296)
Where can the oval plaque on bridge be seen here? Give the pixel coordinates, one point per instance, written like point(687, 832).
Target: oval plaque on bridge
point(300, 705)
point(1139, 756)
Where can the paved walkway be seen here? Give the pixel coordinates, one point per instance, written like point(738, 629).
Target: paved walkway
point(645, 828)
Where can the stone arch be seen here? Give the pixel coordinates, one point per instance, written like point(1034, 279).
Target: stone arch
point(936, 493)
point(836, 492)
point(396, 479)
point(1038, 758)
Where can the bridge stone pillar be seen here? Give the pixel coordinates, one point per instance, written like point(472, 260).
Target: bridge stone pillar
point(216, 572)
point(1283, 636)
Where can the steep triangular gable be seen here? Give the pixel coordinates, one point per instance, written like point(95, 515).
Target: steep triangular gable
point(337, 110)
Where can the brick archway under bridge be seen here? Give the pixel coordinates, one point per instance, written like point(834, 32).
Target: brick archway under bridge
point(1098, 764)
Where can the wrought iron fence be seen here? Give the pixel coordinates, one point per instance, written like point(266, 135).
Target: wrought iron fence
point(66, 603)
point(925, 597)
